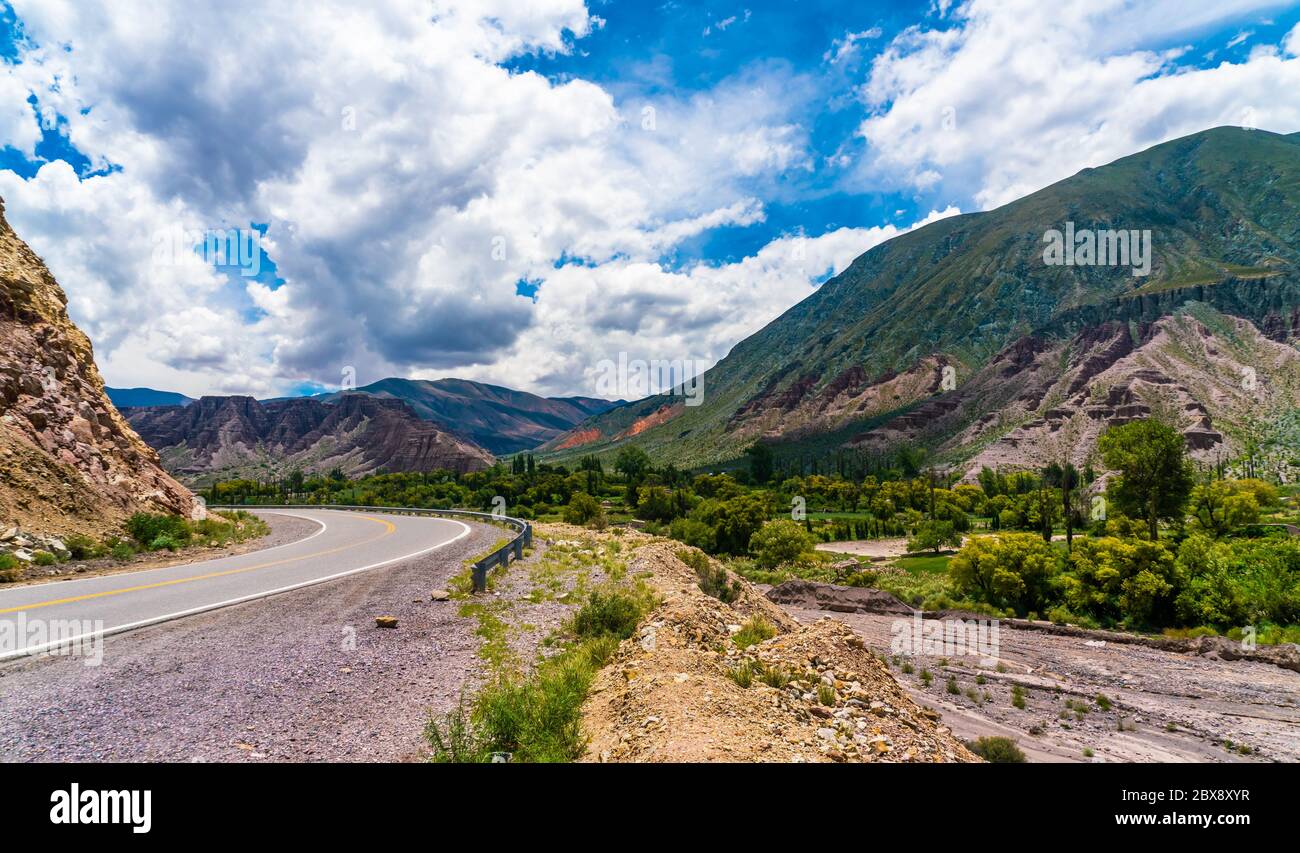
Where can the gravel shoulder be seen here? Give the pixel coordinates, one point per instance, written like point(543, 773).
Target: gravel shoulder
point(1174, 707)
point(301, 676)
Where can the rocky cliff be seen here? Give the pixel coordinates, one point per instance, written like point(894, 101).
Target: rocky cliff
point(69, 463)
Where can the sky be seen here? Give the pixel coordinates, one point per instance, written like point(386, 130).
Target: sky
point(514, 192)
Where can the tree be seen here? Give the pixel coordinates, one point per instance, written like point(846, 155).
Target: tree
point(779, 542)
point(760, 462)
point(632, 462)
point(1155, 476)
point(1217, 508)
point(933, 535)
point(1010, 569)
point(583, 509)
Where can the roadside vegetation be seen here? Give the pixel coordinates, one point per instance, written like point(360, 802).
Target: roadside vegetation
point(142, 533)
point(1158, 544)
point(533, 714)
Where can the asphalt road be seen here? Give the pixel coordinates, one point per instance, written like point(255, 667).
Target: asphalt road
point(345, 543)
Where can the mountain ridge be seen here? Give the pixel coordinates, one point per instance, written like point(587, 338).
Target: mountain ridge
point(1223, 208)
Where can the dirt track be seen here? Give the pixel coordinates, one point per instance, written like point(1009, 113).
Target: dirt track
point(1208, 702)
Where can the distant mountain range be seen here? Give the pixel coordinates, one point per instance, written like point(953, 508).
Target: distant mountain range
point(961, 338)
point(499, 420)
point(226, 437)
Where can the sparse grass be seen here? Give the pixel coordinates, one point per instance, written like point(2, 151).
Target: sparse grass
point(1018, 696)
point(755, 630)
point(907, 668)
point(926, 677)
point(1103, 701)
point(1087, 752)
point(826, 695)
point(492, 630)
point(981, 680)
point(776, 676)
point(743, 675)
point(952, 685)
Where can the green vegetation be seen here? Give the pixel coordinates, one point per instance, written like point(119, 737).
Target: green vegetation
point(997, 750)
point(755, 630)
point(11, 568)
point(536, 717)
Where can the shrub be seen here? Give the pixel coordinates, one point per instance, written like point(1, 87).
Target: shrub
point(1103, 701)
point(43, 558)
point(776, 676)
point(164, 542)
point(826, 695)
point(755, 630)
point(584, 510)
point(11, 568)
point(997, 750)
point(146, 527)
point(122, 551)
point(743, 674)
point(779, 542)
point(615, 614)
point(952, 685)
point(1116, 579)
point(695, 533)
point(1018, 697)
point(714, 580)
point(82, 547)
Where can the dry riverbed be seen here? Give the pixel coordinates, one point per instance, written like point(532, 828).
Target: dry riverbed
point(1163, 706)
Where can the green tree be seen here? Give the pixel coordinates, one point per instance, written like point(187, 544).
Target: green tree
point(779, 542)
point(933, 535)
point(1155, 476)
point(632, 462)
point(583, 509)
point(760, 463)
point(1010, 569)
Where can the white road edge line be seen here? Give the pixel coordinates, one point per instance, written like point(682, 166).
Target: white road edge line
point(118, 629)
point(137, 572)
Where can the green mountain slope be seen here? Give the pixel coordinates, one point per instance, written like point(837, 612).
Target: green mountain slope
point(875, 342)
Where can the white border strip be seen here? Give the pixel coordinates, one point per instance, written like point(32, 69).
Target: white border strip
point(118, 629)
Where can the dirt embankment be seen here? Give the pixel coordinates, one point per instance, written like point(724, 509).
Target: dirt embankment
point(675, 691)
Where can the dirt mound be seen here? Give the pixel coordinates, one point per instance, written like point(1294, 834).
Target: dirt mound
point(838, 599)
point(674, 692)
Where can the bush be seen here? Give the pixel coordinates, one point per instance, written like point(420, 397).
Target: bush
point(695, 533)
point(714, 580)
point(584, 510)
point(146, 527)
point(165, 542)
point(755, 630)
point(997, 750)
point(81, 547)
point(43, 558)
point(1115, 579)
point(122, 551)
point(11, 568)
point(614, 614)
point(779, 542)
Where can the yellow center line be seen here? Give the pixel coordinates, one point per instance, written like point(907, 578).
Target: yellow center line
point(390, 527)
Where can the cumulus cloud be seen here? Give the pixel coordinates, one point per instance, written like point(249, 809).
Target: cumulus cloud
point(407, 179)
point(1006, 97)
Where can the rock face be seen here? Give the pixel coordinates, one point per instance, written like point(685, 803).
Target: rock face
point(69, 463)
point(217, 437)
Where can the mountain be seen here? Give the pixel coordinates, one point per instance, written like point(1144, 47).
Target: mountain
point(961, 338)
point(146, 397)
point(69, 463)
point(501, 420)
point(223, 437)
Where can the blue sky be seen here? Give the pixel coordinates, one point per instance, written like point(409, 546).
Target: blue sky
point(477, 193)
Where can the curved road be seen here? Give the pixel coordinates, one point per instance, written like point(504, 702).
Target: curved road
point(346, 542)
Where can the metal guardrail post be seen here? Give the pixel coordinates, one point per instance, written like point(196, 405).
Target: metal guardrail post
point(501, 556)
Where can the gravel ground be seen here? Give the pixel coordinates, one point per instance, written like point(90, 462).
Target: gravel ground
point(1174, 707)
point(302, 676)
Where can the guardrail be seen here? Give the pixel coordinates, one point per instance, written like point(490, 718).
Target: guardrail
point(500, 557)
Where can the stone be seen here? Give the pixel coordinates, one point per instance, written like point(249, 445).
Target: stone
point(440, 595)
point(386, 621)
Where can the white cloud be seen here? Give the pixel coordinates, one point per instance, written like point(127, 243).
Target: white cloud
point(1016, 95)
point(408, 180)
point(1291, 43)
